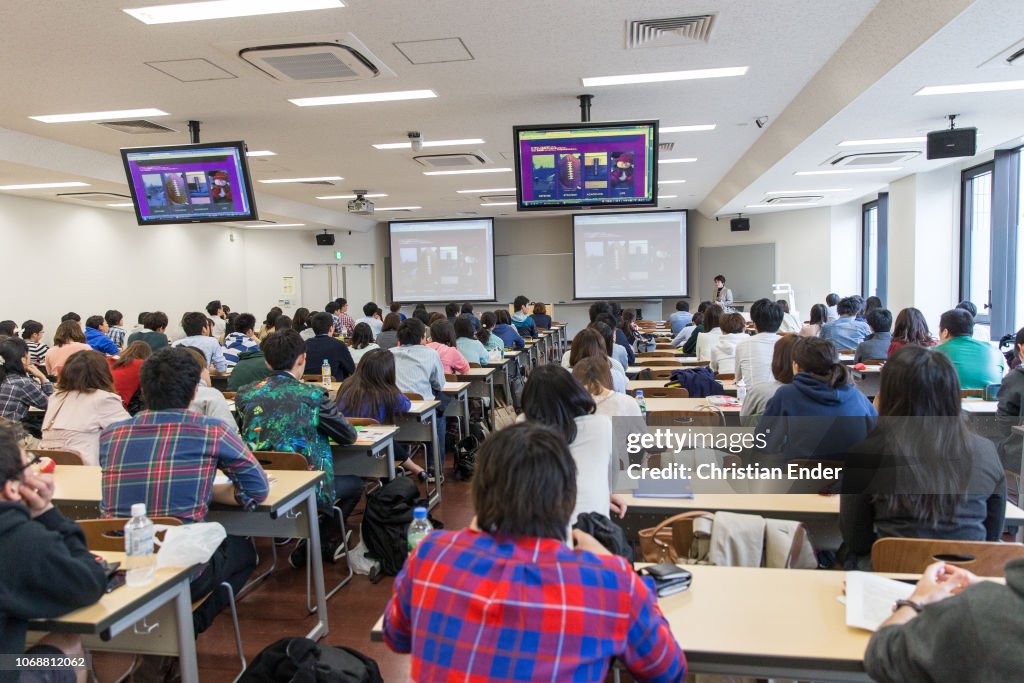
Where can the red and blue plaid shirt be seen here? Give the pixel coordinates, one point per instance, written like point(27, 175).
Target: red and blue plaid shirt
point(168, 459)
point(472, 607)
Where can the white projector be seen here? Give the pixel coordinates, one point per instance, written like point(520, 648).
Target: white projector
point(360, 206)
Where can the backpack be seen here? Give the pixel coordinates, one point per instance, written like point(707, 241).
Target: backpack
point(465, 458)
point(386, 523)
point(301, 660)
point(606, 532)
point(700, 382)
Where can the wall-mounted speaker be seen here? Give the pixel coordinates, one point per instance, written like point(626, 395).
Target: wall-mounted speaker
point(739, 224)
point(325, 240)
point(946, 144)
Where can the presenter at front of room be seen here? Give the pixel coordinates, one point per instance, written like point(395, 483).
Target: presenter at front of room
point(723, 295)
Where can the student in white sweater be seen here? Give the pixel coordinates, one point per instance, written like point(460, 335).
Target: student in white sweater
point(596, 378)
point(707, 339)
point(723, 355)
point(754, 355)
point(553, 398)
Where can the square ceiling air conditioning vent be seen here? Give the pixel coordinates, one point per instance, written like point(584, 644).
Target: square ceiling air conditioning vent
point(444, 161)
point(314, 62)
point(794, 199)
point(136, 127)
point(669, 31)
point(666, 146)
point(874, 158)
point(488, 198)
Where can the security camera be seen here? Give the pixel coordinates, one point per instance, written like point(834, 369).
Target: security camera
point(416, 138)
point(761, 121)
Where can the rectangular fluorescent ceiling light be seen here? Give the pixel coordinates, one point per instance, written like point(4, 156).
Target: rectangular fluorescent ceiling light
point(467, 171)
point(994, 86)
point(781, 206)
point(261, 153)
point(99, 115)
point(225, 9)
point(399, 208)
point(498, 204)
point(663, 76)
point(671, 182)
point(882, 141)
point(365, 97)
point(805, 192)
point(319, 179)
point(493, 189)
point(351, 196)
point(686, 129)
point(676, 161)
point(121, 204)
point(42, 186)
point(277, 225)
point(880, 169)
point(430, 143)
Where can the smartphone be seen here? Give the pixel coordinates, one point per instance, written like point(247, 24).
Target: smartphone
point(116, 580)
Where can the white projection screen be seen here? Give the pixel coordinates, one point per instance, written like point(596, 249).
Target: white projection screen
point(629, 255)
point(442, 260)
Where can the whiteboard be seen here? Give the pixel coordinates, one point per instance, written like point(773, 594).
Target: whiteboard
point(749, 270)
point(541, 277)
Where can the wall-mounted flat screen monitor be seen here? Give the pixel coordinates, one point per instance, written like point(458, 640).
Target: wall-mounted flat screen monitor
point(202, 183)
point(571, 166)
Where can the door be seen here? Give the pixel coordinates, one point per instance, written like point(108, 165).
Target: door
point(319, 285)
point(359, 286)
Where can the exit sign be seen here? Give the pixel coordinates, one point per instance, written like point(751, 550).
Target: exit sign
point(337, 255)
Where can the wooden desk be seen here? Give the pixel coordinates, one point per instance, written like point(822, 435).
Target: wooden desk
point(662, 405)
point(165, 605)
point(419, 426)
point(633, 385)
point(481, 385)
point(501, 377)
point(975, 407)
point(288, 512)
point(372, 455)
point(459, 405)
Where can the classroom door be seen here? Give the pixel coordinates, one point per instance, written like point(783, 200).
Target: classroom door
point(359, 287)
point(319, 284)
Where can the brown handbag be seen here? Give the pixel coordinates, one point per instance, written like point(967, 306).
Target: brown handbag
point(671, 539)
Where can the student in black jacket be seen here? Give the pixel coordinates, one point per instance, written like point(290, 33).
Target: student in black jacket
point(47, 569)
point(1011, 409)
point(324, 345)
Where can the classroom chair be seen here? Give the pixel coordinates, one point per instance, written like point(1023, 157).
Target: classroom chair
point(312, 378)
point(972, 393)
point(659, 372)
point(61, 457)
point(726, 376)
point(662, 392)
point(912, 555)
point(648, 362)
point(108, 535)
point(362, 421)
point(412, 396)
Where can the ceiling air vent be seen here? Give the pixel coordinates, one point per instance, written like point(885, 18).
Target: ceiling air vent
point(671, 31)
point(452, 160)
point(97, 197)
point(319, 62)
point(666, 146)
point(873, 158)
point(136, 127)
point(794, 199)
point(488, 198)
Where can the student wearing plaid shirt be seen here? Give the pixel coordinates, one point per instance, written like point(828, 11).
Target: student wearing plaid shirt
point(508, 600)
point(345, 323)
point(116, 333)
point(167, 457)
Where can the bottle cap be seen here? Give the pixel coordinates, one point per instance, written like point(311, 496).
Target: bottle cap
point(639, 394)
point(138, 509)
point(419, 513)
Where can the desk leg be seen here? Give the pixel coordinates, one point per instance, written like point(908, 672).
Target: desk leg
point(317, 565)
point(186, 636)
point(465, 410)
point(434, 497)
point(508, 387)
point(490, 391)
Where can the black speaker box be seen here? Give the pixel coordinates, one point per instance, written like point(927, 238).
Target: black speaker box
point(739, 224)
point(325, 240)
point(946, 144)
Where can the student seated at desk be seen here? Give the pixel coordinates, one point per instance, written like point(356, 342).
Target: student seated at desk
point(723, 354)
point(218, 319)
point(1011, 408)
point(83, 405)
point(345, 323)
point(681, 318)
point(22, 386)
point(978, 363)
point(167, 457)
point(210, 402)
point(467, 343)
point(153, 333)
point(832, 303)
point(581, 607)
point(388, 336)
point(125, 371)
point(920, 446)
point(596, 377)
point(68, 339)
point(48, 570)
point(467, 313)
point(8, 328)
point(372, 317)
point(503, 330)
point(822, 413)
point(847, 331)
point(442, 340)
point(602, 311)
point(754, 355)
point(910, 328)
point(521, 320)
point(283, 413)
point(197, 331)
point(242, 339)
point(269, 322)
point(876, 346)
point(618, 351)
point(451, 311)
point(590, 342)
point(115, 332)
point(396, 308)
point(300, 323)
point(324, 346)
point(706, 340)
point(96, 335)
point(420, 312)
point(782, 373)
point(373, 393)
point(696, 325)
point(486, 335)
point(819, 316)
point(540, 316)
point(362, 342)
point(32, 333)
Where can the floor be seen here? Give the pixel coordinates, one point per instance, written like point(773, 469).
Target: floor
point(276, 609)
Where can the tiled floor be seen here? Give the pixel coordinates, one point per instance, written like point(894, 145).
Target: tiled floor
point(277, 610)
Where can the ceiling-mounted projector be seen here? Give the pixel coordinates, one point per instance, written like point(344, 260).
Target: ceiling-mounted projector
point(361, 206)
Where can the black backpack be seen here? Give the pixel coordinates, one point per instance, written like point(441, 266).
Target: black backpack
point(301, 660)
point(606, 532)
point(386, 523)
point(465, 458)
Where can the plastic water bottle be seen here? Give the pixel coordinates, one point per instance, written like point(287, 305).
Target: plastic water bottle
point(325, 374)
point(419, 527)
point(642, 402)
point(138, 545)
point(741, 390)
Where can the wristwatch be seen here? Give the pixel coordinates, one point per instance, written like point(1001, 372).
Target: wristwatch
point(917, 607)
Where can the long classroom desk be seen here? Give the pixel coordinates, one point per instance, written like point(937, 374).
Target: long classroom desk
point(481, 385)
point(419, 425)
point(633, 385)
point(730, 414)
point(502, 376)
point(458, 407)
point(165, 604)
point(372, 454)
point(288, 512)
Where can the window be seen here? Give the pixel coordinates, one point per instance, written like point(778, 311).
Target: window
point(1019, 313)
point(976, 238)
point(874, 247)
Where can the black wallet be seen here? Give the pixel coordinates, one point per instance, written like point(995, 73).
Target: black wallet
point(668, 578)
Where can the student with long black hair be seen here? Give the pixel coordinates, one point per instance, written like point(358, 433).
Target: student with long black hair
point(819, 316)
point(910, 328)
point(921, 473)
point(22, 385)
point(361, 342)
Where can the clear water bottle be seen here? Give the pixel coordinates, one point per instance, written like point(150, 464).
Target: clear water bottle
point(325, 374)
point(642, 402)
point(741, 390)
point(138, 546)
point(419, 527)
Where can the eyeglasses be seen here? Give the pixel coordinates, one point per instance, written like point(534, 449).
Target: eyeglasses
point(34, 460)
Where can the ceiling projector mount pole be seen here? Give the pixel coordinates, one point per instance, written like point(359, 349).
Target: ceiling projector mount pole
point(585, 101)
point(193, 132)
point(952, 120)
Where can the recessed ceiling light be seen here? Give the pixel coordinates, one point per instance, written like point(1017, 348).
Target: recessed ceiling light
point(992, 86)
point(498, 204)
point(686, 129)
point(676, 161)
point(319, 179)
point(493, 189)
point(667, 196)
point(806, 192)
point(671, 182)
point(468, 171)
point(121, 204)
point(398, 208)
point(350, 196)
point(663, 76)
point(836, 171)
point(42, 186)
point(224, 9)
point(261, 153)
point(99, 115)
point(430, 143)
point(277, 225)
point(781, 206)
point(882, 141)
point(365, 97)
